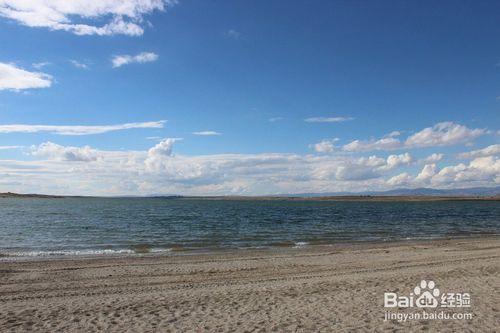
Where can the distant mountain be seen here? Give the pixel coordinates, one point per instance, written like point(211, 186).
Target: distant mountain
point(461, 192)
point(402, 192)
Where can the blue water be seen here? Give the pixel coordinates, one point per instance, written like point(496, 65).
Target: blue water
point(96, 225)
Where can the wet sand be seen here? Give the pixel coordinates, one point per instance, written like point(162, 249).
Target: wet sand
point(311, 289)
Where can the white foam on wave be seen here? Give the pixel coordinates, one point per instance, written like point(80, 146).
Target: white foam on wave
point(67, 253)
point(159, 250)
point(87, 252)
point(300, 244)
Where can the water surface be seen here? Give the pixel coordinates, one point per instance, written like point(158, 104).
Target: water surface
point(128, 225)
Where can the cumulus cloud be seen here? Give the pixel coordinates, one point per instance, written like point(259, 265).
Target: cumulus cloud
point(85, 170)
point(77, 129)
point(159, 170)
point(428, 171)
point(394, 161)
point(387, 143)
point(433, 158)
point(400, 180)
point(81, 16)
point(65, 153)
point(15, 78)
point(143, 57)
point(441, 134)
point(327, 119)
point(487, 151)
point(349, 169)
point(207, 133)
point(479, 171)
point(355, 172)
point(486, 169)
point(325, 146)
point(156, 155)
point(164, 148)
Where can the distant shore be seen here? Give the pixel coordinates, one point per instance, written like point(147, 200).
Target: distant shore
point(364, 198)
point(310, 289)
point(355, 198)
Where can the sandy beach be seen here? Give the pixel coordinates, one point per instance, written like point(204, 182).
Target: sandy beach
point(310, 289)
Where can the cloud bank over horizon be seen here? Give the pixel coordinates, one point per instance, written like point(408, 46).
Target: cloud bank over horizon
point(59, 169)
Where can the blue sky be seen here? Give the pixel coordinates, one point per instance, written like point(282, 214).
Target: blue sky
point(265, 78)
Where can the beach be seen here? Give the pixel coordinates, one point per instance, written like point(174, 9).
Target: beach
point(285, 289)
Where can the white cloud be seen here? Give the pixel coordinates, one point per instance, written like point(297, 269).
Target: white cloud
point(428, 171)
point(63, 153)
point(402, 179)
point(327, 119)
point(207, 133)
point(81, 16)
point(487, 151)
point(84, 170)
point(387, 143)
point(394, 161)
point(9, 147)
point(156, 155)
point(481, 169)
point(363, 168)
point(15, 78)
point(348, 169)
point(433, 158)
point(325, 146)
point(164, 148)
point(77, 129)
point(441, 134)
point(79, 64)
point(143, 57)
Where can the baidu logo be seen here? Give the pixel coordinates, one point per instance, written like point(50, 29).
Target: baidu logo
point(430, 303)
point(426, 295)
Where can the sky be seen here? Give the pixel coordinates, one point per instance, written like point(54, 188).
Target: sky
point(147, 97)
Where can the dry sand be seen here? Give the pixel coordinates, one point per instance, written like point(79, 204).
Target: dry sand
point(316, 289)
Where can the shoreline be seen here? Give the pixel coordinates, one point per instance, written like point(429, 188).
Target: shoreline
point(126, 252)
point(320, 288)
point(298, 198)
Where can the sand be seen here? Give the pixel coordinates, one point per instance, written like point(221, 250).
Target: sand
point(312, 289)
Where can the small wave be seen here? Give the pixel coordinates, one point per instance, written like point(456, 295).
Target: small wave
point(300, 244)
point(87, 252)
point(66, 253)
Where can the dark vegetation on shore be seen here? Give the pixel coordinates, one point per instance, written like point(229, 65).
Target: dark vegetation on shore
point(18, 195)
